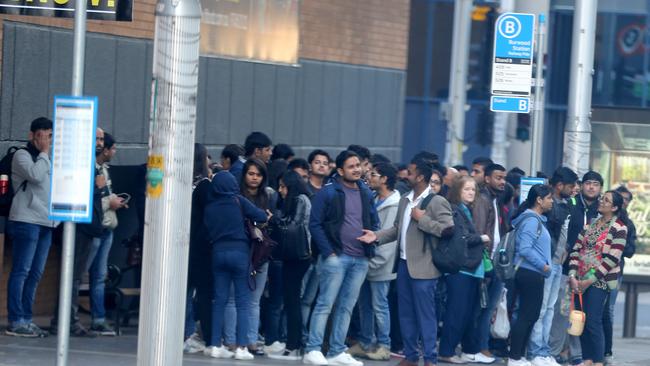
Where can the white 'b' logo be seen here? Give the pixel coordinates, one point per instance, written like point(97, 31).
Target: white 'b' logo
point(509, 26)
point(523, 105)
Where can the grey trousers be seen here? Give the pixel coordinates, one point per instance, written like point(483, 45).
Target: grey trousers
point(559, 337)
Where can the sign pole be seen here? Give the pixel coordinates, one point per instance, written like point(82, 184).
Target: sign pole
point(67, 258)
point(538, 107)
point(458, 81)
point(169, 182)
point(577, 131)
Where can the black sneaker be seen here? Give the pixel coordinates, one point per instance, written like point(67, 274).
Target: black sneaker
point(78, 330)
point(103, 329)
point(41, 333)
point(22, 331)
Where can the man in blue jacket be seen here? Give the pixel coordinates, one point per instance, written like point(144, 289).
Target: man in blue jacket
point(341, 210)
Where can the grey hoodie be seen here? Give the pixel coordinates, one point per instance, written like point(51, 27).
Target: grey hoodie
point(380, 267)
point(30, 205)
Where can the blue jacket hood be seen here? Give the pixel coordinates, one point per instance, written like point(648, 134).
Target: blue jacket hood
point(225, 183)
point(528, 213)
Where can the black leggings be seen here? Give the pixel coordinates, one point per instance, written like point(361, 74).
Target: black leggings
point(292, 274)
point(529, 286)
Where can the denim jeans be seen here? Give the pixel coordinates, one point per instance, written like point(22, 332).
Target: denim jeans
point(461, 313)
point(592, 339)
point(30, 245)
point(230, 268)
point(374, 314)
point(97, 267)
point(608, 318)
point(341, 277)
point(308, 296)
point(417, 315)
point(482, 331)
point(538, 346)
point(230, 322)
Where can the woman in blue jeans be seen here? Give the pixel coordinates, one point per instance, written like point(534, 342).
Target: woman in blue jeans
point(253, 186)
point(224, 223)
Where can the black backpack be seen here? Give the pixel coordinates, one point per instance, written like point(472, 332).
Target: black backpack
point(451, 252)
point(5, 169)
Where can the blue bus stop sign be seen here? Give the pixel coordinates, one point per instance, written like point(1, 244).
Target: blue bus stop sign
point(512, 66)
point(509, 104)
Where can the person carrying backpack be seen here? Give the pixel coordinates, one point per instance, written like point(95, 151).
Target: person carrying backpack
point(532, 265)
point(417, 275)
point(463, 287)
point(29, 227)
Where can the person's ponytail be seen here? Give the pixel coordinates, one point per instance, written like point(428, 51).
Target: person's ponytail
point(536, 191)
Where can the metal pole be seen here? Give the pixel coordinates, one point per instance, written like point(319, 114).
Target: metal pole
point(577, 131)
point(169, 182)
point(458, 81)
point(538, 107)
point(67, 258)
point(500, 142)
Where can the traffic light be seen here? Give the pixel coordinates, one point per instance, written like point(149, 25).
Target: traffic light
point(523, 127)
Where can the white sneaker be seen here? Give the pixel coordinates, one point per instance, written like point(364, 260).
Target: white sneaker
point(344, 359)
point(453, 359)
point(314, 358)
point(550, 360)
point(539, 361)
point(276, 347)
point(242, 353)
point(477, 358)
point(217, 352)
point(520, 362)
point(193, 344)
point(286, 355)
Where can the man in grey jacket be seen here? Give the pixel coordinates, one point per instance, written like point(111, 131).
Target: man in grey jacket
point(373, 298)
point(416, 274)
point(29, 227)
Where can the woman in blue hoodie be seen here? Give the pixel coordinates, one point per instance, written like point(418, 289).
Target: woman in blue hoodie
point(533, 263)
point(224, 225)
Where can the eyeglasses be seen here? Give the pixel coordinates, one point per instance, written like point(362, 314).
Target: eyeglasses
point(435, 182)
point(375, 174)
point(604, 200)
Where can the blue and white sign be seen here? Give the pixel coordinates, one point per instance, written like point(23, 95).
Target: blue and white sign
point(512, 66)
point(526, 184)
point(73, 159)
point(509, 104)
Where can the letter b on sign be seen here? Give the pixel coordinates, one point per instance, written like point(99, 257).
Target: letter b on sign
point(523, 105)
point(510, 27)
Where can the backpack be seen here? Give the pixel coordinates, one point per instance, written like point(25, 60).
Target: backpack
point(451, 252)
point(504, 266)
point(5, 169)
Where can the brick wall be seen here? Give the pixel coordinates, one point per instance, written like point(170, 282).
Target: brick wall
point(361, 32)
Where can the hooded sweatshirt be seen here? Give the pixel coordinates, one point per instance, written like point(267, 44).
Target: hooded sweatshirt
point(532, 250)
point(380, 267)
point(224, 216)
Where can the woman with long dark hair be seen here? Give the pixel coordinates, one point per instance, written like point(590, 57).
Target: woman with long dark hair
point(292, 225)
point(199, 279)
point(595, 268)
point(253, 186)
point(463, 287)
point(533, 265)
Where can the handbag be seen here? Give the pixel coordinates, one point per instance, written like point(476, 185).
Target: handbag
point(293, 241)
point(577, 318)
point(261, 245)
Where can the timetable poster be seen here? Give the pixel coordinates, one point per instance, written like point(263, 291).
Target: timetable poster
point(73, 158)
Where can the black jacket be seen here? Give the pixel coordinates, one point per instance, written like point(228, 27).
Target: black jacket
point(555, 220)
point(474, 242)
point(579, 211)
point(95, 227)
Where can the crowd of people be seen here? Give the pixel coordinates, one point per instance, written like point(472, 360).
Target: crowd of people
point(353, 268)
